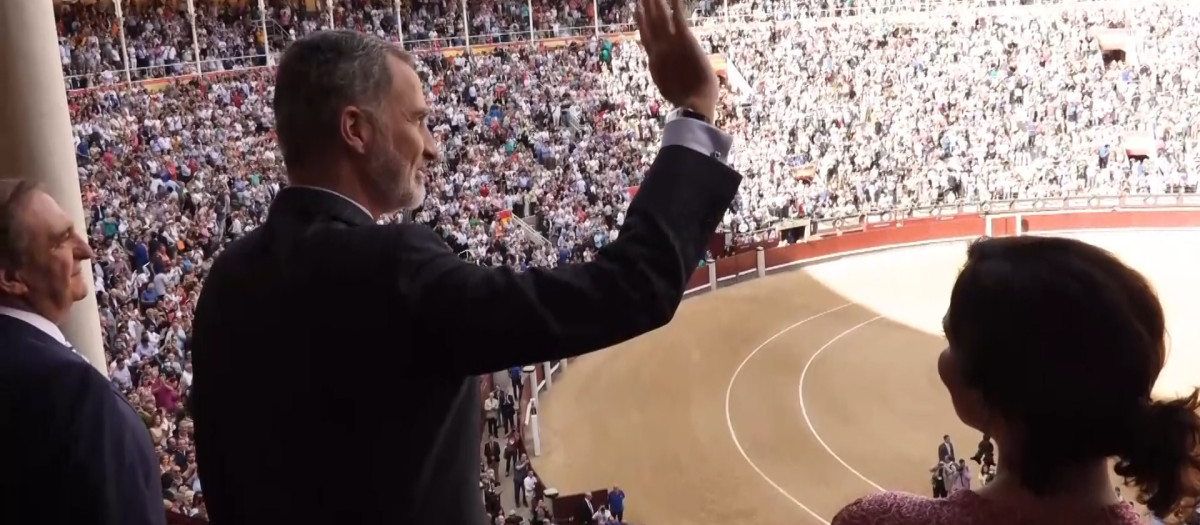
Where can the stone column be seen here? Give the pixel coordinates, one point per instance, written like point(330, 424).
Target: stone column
point(35, 136)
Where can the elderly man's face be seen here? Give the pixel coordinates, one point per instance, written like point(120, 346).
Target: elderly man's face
point(51, 278)
point(396, 161)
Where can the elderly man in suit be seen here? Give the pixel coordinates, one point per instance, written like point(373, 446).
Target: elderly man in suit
point(321, 283)
point(72, 450)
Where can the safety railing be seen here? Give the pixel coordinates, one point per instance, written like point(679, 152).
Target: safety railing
point(830, 238)
point(719, 14)
point(1072, 203)
point(530, 232)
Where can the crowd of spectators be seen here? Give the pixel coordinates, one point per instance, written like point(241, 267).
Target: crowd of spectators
point(543, 146)
point(234, 34)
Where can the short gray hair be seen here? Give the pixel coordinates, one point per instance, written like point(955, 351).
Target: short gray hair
point(14, 195)
point(319, 76)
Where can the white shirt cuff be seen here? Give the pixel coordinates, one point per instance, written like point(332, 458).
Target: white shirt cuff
point(699, 137)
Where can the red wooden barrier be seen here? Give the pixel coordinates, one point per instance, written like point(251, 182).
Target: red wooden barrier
point(927, 229)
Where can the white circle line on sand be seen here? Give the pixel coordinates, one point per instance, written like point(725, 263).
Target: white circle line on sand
point(729, 419)
point(804, 409)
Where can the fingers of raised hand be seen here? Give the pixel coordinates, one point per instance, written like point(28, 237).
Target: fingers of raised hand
point(645, 32)
point(679, 16)
point(654, 21)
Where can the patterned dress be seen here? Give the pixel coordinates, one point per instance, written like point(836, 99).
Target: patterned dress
point(961, 508)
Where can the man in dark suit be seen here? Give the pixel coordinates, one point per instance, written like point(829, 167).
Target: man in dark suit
point(587, 511)
point(491, 454)
point(508, 411)
point(325, 307)
point(72, 450)
point(946, 450)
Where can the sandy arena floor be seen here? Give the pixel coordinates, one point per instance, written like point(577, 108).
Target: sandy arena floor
point(780, 400)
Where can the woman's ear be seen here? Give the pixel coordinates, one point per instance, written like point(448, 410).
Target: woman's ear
point(968, 401)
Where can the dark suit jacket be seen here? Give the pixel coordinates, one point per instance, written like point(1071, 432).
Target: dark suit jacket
point(945, 451)
point(370, 338)
point(72, 450)
point(587, 512)
point(491, 452)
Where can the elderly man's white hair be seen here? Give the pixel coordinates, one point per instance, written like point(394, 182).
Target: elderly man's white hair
point(14, 193)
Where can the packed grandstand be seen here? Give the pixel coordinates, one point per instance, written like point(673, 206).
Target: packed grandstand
point(549, 120)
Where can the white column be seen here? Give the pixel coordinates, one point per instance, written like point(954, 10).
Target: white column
point(37, 141)
point(549, 368)
point(121, 37)
point(399, 23)
point(262, 13)
point(536, 432)
point(191, 12)
point(760, 261)
point(466, 26)
point(712, 274)
point(530, 371)
point(532, 34)
point(596, 16)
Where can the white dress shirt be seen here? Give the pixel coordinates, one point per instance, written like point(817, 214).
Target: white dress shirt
point(699, 137)
point(327, 190)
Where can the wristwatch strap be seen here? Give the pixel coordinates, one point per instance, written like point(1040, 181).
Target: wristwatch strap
point(687, 113)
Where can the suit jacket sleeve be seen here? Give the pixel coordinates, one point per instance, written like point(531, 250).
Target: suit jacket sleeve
point(487, 319)
point(114, 478)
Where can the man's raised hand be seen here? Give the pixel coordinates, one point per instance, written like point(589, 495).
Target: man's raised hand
point(678, 66)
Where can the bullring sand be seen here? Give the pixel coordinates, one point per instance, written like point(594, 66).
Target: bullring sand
point(779, 400)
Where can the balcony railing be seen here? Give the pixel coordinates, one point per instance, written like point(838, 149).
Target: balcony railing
point(712, 14)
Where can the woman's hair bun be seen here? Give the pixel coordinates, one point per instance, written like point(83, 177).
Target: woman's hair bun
point(1161, 458)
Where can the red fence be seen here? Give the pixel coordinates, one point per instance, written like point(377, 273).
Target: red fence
point(878, 235)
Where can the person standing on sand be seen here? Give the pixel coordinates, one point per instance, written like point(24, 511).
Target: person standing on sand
point(939, 480)
point(961, 479)
point(616, 502)
point(945, 449)
point(491, 410)
point(508, 410)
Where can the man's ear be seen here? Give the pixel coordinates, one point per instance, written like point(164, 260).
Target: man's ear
point(11, 283)
point(355, 128)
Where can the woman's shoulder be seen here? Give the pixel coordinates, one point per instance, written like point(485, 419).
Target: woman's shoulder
point(961, 508)
point(898, 508)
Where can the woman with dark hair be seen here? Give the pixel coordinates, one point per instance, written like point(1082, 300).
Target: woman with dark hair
point(1054, 348)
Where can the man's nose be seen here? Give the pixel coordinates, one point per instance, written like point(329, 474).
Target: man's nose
point(431, 147)
point(83, 252)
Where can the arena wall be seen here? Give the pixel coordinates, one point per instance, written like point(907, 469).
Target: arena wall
point(883, 231)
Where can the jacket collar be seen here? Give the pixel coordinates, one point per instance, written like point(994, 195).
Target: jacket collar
point(312, 203)
point(36, 321)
